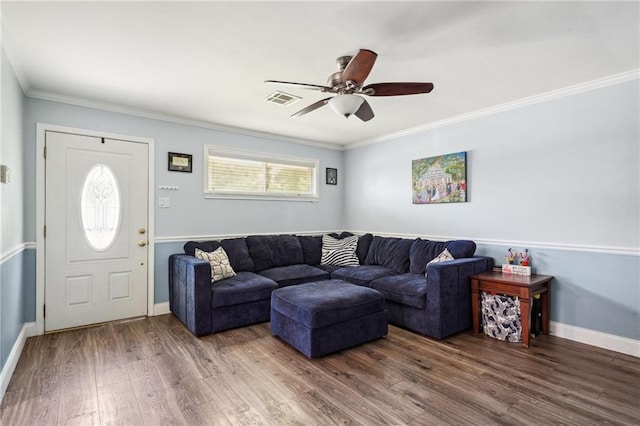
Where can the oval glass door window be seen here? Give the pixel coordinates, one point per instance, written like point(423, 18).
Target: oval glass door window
point(100, 207)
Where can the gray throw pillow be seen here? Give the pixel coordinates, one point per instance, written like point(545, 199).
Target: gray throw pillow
point(219, 261)
point(442, 257)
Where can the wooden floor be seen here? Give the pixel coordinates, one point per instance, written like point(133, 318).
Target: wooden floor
point(153, 371)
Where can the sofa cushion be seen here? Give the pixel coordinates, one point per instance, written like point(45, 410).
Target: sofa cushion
point(317, 305)
point(460, 249)
point(406, 289)
point(392, 253)
point(329, 268)
point(339, 252)
point(208, 246)
point(270, 251)
point(219, 261)
point(423, 251)
point(244, 287)
point(295, 274)
point(238, 253)
point(364, 243)
point(311, 248)
point(363, 274)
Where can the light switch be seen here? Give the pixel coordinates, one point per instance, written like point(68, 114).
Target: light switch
point(5, 174)
point(164, 202)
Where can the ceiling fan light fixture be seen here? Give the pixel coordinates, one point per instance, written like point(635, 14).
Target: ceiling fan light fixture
point(348, 81)
point(346, 105)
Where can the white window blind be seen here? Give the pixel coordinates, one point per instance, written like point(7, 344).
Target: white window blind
point(242, 174)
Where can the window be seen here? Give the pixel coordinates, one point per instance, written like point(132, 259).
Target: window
point(232, 173)
point(100, 207)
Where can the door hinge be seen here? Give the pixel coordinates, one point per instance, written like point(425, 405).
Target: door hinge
point(45, 231)
point(44, 311)
point(45, 152)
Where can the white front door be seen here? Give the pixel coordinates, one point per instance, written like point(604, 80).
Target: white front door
point(96, 212)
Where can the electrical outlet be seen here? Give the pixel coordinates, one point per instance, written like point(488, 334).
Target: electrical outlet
point(164, 202)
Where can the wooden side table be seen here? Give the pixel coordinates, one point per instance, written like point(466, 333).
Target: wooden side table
point(523, 286)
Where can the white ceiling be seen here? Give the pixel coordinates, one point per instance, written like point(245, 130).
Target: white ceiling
point(206, 61)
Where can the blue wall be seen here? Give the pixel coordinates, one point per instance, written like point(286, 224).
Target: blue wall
point(161, 271)
point(14, 260)
point(28, 285)
point(561, 177)
point(17, 300)
point(592, 290)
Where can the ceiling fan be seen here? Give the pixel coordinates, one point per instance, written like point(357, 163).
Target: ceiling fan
point(347, 84)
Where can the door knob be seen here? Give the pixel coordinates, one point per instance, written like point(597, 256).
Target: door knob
point(142, 243)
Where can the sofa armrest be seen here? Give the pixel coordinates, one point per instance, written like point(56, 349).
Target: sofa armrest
point(449, 294)
point(190, 297)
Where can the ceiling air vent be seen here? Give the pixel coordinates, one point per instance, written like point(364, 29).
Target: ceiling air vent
point(281, 98)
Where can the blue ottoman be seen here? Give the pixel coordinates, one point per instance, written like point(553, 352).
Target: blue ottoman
point(322, 317)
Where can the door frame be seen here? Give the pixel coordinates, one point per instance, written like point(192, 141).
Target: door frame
point(41, 129)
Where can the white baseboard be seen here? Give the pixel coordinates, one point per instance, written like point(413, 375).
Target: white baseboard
point(611, 342)
point(28, 330)
point(161, 309)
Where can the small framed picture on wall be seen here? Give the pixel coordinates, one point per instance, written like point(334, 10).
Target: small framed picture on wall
point(180, 162)
point(332, 176)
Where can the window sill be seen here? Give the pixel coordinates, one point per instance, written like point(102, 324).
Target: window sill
point(308, 199)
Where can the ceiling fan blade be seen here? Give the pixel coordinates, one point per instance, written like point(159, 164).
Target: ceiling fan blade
point(364, 113)
point(395, 89)
point(299, 85)
point(314, 106)
point(359, 67)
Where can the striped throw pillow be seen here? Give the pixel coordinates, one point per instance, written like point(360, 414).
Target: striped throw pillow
point(219, 261)
point(339, 252)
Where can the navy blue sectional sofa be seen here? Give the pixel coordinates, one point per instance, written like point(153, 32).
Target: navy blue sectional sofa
point(436, 305)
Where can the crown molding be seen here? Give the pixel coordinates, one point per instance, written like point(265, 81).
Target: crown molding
point(531, 100)
point(72, 100)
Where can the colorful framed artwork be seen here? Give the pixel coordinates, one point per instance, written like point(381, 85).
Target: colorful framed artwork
point(180, 162)
point(440, 179)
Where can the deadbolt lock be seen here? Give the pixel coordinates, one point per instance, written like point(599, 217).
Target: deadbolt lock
point(141, 231)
